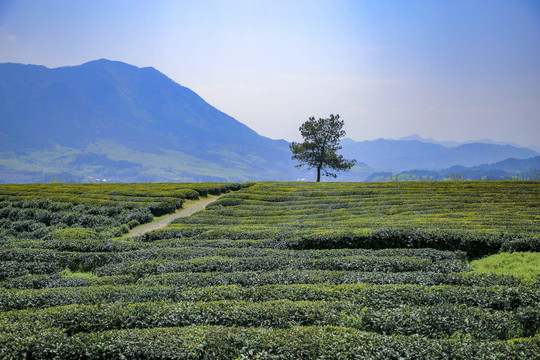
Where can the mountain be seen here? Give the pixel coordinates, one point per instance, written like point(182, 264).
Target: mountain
point(401, 155)
point(429, 140)
point(110, 120)
point(456, 143)
point(509, 169)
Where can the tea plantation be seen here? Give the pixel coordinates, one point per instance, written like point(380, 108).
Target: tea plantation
point(268, 271)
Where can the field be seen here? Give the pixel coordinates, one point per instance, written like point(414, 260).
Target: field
point(270, 271)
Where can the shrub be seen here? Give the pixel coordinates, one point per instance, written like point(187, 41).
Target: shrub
point(75, 234)
point(217, 342)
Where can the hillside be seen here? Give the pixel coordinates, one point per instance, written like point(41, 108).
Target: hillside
point(107, 119)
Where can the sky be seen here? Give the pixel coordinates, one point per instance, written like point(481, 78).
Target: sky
point(450, 70)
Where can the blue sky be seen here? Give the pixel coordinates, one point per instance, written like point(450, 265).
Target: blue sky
point(452, 70)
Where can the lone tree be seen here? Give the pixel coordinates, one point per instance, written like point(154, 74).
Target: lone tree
point(321, 141)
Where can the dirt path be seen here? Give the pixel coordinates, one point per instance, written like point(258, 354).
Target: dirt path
point(166, 220)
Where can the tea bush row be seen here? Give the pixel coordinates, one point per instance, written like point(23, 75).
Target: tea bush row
point(474, 243)
point(199, 259)
point(437, 321)
point(12, 269)
point(140, 190)
point(216, 342)
point(269, 263)
point(285, 277)
point(185, 253)
point(34, 211)
point(73, 244)
point(30, 281)
point(258, 278)
point(364, 295)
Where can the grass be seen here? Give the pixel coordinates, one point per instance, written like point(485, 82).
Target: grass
point(525, 265)
point(67, 273)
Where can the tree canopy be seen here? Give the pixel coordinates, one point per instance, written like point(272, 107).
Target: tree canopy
point(320, 146)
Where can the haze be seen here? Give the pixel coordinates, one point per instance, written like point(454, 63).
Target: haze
point(453, 70)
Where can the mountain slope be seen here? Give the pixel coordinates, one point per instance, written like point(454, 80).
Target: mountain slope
point(102, 108)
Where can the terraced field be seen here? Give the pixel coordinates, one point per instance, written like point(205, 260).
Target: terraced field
point(38, 211)
point(275, 271)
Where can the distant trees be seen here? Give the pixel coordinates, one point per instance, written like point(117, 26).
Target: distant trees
point(456, 177)
point(320, 146)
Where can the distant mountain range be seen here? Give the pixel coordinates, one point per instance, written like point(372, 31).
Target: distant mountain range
point(107, 120)
point(402, 155)
point(457, 143)
point(509, 169)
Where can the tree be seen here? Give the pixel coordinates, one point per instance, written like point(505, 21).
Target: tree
point(321, 142)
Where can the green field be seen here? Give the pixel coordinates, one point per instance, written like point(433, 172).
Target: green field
point(39, 211)
point(271, 271)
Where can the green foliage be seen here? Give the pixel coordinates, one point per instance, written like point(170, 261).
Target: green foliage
point(270, 271)
point(436, 321)
point(38, 211)
point(320, 146)
point(67, 273)
point(76, 234)
point(163, 208)
point(480, 218)
point(268, 263)
point(525, 265)
point(218, 342)
point(258, 278)
point(363, 295)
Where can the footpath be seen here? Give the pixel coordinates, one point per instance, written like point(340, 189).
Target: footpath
point(167, 219)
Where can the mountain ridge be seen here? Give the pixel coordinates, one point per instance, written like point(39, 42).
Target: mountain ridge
point(508, 169)
point(401, 155)
point(139, 108)
point(110, 120)
point(457, 143)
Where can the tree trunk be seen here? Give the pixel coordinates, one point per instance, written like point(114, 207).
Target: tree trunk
point(319, 174)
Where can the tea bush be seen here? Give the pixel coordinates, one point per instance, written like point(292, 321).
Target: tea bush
point(34, 211)
point(269, 271)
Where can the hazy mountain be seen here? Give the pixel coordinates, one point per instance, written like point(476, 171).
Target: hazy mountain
point(112, 120)
point(401, 155)
point(430, 140)
point(457, 143)
point(509, 169)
